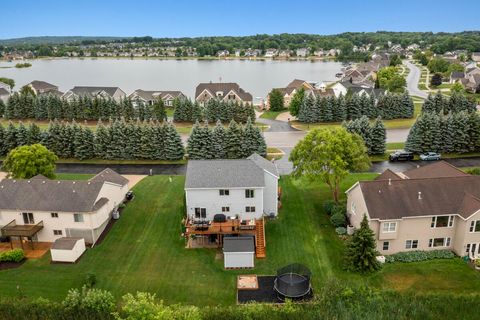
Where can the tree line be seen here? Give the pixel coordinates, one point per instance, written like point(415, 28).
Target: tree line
point(212, 110)
point(315, 108)
point(25, 105)
point(373, 134)
point(439, 103)
point(233, 142)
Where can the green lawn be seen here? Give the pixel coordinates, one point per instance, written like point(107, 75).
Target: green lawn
point(271, 114)
point(144, 251)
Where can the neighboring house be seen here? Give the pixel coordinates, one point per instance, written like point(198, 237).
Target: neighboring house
point(436, 206)
point(42, 87)
point(270, 53)
point(302, 52)
point(229, 198)
point(114, 93)
point(5, 86)
point(227, 91)
point(457, 76)
point(149, 97)
point(476, 56)
point(289, 91)
point(344, 87)
point(4, 94)
point(44, 210)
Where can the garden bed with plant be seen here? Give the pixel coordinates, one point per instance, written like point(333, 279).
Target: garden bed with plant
point(11, 259)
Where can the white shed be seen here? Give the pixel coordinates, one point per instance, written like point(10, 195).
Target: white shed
point(238, 252)
point(67, 249)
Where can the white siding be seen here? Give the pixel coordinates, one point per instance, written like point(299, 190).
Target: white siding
point(270, 194)
point(213, 202)
point(68, 255)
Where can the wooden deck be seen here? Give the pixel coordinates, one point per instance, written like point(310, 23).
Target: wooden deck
point(39, 248)
point(227, 227)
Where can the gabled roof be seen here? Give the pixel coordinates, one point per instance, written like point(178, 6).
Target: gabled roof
point(238, 173)
point(238, 244)
point(56, 195)
point(65, 243)
point(225, 87)
point(93, 91)
point(4, 92)
point(438, 169)
point(457, 75)
point(264, 164)
point(388, 174)
point(42, 85)
point(154, 94)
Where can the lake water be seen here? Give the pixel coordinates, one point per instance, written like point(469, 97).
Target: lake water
point(255, 76)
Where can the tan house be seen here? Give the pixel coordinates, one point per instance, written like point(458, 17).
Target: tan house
point(431, 207)
point(224, 91)
point(114, 93)
point(293, 87)
point(40, 209)
point(42, 87)
point(149, 97)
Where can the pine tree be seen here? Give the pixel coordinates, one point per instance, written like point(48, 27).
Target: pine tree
point(218, 141)
point(10, 137)
point(194, 148)
point(102, 141)
point(3, 146)
point(360, 253)
point(22, 135)
point(378, 137)
point(34, 134)
point(158, 110)
point(233, 141)
point(306, 113)
point(173, 143)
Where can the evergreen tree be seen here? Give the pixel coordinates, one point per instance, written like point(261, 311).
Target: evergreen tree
point(3, 145)
point(360, 253)
point(195, 144)
point(296, 102)
point(218, 141)
point(276, 100)
point(173, 143)
point(158, 110)
point(22, 135)
point(34, 134)
point(378, 137)
point(102, 141)
point(233, 141)
point(306, 113)
point(10, 137)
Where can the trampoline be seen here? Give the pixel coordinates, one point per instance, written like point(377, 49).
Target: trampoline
point(293, 282)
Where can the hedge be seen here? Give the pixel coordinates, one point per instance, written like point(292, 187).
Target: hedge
point(419, 255)
point(15, 255)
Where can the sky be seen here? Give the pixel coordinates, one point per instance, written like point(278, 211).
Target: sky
point(219, 17)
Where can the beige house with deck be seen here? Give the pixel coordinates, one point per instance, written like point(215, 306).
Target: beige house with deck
point(436, 206)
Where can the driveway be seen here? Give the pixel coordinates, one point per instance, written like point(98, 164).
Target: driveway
point(276, 125)
point(413, 79)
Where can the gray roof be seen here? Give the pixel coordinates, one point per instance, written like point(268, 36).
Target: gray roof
point(56, 195)
point(225, 87)
point(240, 173)
point(457, 75)
point(264, 164)
point(42, 85)
point(65, 243)
point(93, 91)
point(4, 92)
point(238, 244)
point(154, 94)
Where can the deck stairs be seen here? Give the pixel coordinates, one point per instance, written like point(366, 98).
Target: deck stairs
point(260, 243)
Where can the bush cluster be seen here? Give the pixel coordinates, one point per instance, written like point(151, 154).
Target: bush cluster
point(15, 255)
point(419, 255)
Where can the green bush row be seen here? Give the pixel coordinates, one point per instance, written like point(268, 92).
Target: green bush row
point(15, 255)
point(419, 255)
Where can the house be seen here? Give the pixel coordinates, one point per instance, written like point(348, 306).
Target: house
point(229, 198)
point(225, 91)
point(149, 97)
point(114, 93)
point(270, 53)
point(344, 87)
point(302, 52)
point(456, 76)
point(4, 94)
point(436, 206)
point(57, 208)
point(289, 91)
point(476, 56)
point(42, 87)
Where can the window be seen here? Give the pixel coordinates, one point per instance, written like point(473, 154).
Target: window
point(225, 209)
point(57, 232)
point(78, 217)
point(439, 242)
point(231, 97)
point(224, 192)
point(249, 193)
point(249, 209)
point(475, 226)
point(54, 214)
point(386, 245)
point(200, 213)
point(468, 248)
point(28, 218)
point(353, 207)
point(389, 226)
point(411, 244)
point(442, 221)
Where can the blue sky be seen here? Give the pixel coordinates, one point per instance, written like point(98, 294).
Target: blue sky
point(218, 17)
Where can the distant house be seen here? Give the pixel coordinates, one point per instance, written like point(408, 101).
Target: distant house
point(344, 87)
point(229, 198)
point(293, 87)
point(223, 53)
point(457, 76)
point(227, 91)
point(42, 87)
point(436, 206)
point(270, 53)
point(114, 93)
point(4, 94)
point(57, 208)
point(149, 97)
point(302, 52)
point(476, 56)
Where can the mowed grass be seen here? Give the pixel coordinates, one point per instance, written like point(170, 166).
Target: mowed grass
point(271, 114)
point(144, 251)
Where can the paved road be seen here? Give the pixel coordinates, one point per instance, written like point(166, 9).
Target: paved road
point(277, 125)
point(413, 79)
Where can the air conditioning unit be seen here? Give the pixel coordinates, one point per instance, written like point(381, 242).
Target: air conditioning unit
point(116, 215)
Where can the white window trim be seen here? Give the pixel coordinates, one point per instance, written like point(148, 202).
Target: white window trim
point(450, 222)
point(447, 242)
point(473, 223)
point(353, 208)
point(411, 244)
point(388, 225)
point(383, 245)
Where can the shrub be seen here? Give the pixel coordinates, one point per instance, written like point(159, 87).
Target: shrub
point(328, 206)
point(473, 171)
point(89, 302)
point(90, 280)
point(341, 230)
point(338, 219)
point(419, 255)
point(15, 255)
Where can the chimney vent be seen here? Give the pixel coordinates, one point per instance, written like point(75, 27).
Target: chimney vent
point(419, 195)
point(389, 182)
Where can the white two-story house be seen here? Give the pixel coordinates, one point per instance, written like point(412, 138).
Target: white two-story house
point(40, 209)
point(229, 197)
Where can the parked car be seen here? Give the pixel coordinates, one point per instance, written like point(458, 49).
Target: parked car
point(430, 156)
point(401, 155)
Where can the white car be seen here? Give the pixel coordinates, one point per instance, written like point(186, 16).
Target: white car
point(430, 156)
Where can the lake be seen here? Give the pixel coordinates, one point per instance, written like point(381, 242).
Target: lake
point(255, 76)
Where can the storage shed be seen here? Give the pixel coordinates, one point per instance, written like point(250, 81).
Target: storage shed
point(67, 249)
point(238, 252)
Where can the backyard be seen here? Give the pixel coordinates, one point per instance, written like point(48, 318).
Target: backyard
point(144, 251)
